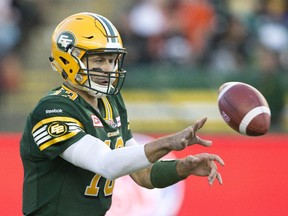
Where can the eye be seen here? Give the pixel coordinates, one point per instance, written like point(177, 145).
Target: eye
point(98, 60)
point(112, 61)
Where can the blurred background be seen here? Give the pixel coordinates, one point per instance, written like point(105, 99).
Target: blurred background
point(179, 53)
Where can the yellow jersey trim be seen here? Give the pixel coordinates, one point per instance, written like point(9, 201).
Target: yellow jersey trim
point(108, 109)
point(58, 118)
point(56, 140)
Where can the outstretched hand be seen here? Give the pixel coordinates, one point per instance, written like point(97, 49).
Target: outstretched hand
point(189, 136)
point(201, 165)
point(156, 149)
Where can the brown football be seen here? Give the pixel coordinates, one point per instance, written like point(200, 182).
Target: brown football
point(244, 108)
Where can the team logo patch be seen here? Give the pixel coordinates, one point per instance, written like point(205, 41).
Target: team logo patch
point(57, 129)
point(118, 121)
point(111, 123)
point(96, 121)
point(64, 40)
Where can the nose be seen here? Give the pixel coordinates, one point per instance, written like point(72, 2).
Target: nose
point(107, 66)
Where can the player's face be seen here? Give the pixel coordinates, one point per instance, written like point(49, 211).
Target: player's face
point(104, 62)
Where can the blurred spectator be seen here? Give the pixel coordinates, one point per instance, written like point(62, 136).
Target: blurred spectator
point(228, 49)
point(270, 27)
point(271, 19)
point(16, 20)
point(154, 33)
point(197, 19)
point(30, 18)
point(174, 45)
point(269, 83)
point(10, 32)
point(147, 23)
point(269, 24)
point(10, 35)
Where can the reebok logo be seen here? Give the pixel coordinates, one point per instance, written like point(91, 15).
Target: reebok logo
point(54, 111)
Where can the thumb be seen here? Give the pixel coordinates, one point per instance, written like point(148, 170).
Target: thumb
point(204, 142)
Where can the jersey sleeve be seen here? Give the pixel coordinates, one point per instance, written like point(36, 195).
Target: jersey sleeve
point(56, 125)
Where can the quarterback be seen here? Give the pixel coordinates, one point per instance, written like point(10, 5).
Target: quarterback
point(77, 139)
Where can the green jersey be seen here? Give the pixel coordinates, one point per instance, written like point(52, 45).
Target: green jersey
point(53, 186)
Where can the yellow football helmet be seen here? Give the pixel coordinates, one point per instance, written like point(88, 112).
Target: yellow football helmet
point(86, 34)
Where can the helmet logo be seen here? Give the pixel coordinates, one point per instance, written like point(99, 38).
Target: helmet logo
point(64, 40)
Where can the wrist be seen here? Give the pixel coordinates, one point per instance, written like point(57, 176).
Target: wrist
point(164, 173)
point(181, 170)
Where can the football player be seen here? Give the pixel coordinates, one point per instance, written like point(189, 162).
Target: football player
point(77, 140)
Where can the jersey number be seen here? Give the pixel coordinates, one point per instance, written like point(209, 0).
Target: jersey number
point(93, 189)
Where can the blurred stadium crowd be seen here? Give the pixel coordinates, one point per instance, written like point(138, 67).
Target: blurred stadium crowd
point(223, 36)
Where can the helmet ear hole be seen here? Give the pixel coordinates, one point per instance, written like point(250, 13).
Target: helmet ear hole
point(64, 75)
point(65, 61)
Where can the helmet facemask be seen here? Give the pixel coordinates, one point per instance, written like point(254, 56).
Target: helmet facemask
point(95, 81)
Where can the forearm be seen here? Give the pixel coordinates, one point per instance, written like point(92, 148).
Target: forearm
point(158, 148)
point(142, 178)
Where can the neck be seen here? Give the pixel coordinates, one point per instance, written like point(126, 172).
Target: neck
point(93, 101)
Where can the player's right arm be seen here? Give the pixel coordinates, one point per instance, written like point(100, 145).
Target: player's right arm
point(93, 154)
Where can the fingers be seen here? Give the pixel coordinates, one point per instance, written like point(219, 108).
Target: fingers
point(212, 178)
point(214, 174)
point(219, 177)
point(199, 124)
point(211, 157)
point(209, 160)
point(203, 142)
point(207, 157)
point(217, 158)
point(194, 128)
point(191, 137)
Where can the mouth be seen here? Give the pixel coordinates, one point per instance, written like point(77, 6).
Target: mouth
point(103, 82)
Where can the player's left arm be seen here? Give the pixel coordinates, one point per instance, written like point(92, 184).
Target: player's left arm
point(168, 172)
